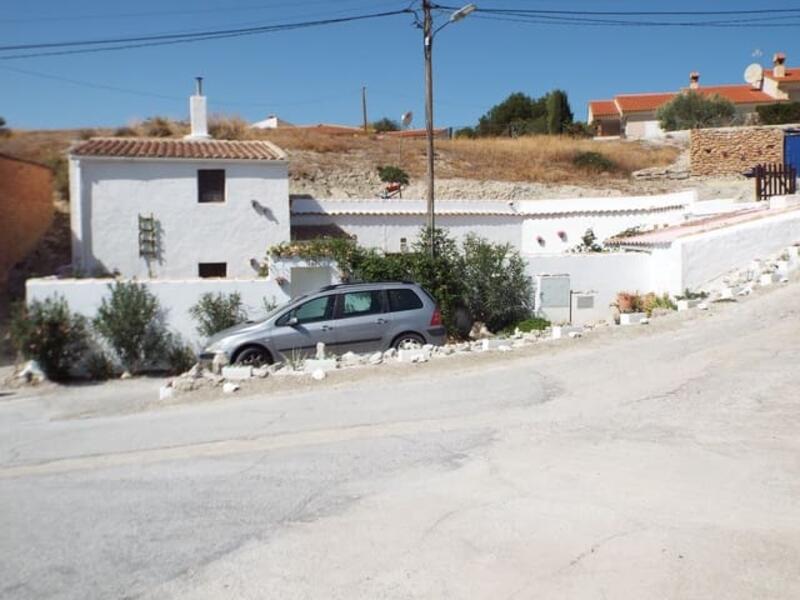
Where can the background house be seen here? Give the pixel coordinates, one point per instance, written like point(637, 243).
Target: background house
point(634, 115)
point(177, 208)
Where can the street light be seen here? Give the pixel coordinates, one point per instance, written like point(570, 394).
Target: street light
point(428, 34)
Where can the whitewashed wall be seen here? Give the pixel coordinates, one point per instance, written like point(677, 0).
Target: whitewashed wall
point(109, 195)
point(603, 273)
point(176, 297)
point(707, 256)
point(383, 224)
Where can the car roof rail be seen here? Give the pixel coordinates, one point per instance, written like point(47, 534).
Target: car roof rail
point(335, 286)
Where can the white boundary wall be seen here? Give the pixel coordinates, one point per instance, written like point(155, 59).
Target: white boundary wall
point(707, 256)
point(380, 223)
point(606, 274)
point(176, 297)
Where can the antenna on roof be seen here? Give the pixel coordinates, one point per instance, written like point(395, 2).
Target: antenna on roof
point(754, 75)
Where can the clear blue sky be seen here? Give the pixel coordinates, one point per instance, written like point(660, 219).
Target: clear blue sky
point(315, 75)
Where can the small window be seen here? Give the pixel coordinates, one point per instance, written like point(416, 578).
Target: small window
point(210, 185)
point(403, 299)
point(356, 304)
point(212, 269)
point(318, 309)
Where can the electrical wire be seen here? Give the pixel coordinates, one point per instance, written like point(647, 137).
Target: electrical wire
point(109, 44)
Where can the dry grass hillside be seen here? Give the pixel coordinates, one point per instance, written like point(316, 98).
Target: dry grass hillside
point(345, 165)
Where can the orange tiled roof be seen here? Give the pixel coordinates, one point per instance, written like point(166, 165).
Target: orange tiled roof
point(603, 108)
point(738, 94)
point(792, 75)
point(179, 149)
point(642, 102)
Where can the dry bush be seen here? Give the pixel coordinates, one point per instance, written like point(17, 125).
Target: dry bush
point(229, 128)
point(290, 138)
point(542, 158)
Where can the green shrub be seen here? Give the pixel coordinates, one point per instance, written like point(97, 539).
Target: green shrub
point(497, 289)
point(47, 332)
point(528, 325)
point(4, 131)
point(131, 321)
point(385, 124)
point(60, 166)
point(594, 161)
point(215, 312)
point(99, 366)
point(651, 301)
point(179, 357)
point(691, 110)
point(778, 114)
point(393, 174)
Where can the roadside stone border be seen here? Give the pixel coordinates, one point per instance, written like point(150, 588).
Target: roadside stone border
point(761, 273)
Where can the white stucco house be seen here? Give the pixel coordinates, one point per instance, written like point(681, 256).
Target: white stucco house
point(177, 208)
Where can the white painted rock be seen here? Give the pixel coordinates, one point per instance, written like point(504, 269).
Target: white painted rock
point(504, 348)
point(702, 306)
point(166, 391)
point(318, 375)
point(350, 359)
point(320, 351)
point(229, 388)
point(319, 364)
point(261, 372)
point(413, 355)
point(492, 344)
point(574, 334)
point(126, 375)
point(390, 353)
point(238, 373)
point(32, 372)
point(376, 359)
point(219, 361)
point(631, 318)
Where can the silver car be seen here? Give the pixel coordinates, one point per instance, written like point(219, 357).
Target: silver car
point(358, 317)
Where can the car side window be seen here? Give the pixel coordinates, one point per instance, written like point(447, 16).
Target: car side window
point(403, 299)
point(318, 309)
point(356, 304)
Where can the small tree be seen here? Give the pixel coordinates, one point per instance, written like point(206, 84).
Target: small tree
point(691, 110)
point(130, 319)
point(4, 131)
point(393, 174)
point(497, 288)
point(215, 312)
point(559, 113)
point(47, 332)
point(385, 124)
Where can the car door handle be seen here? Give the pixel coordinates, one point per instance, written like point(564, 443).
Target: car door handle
point(327, 328)
point(382, 321)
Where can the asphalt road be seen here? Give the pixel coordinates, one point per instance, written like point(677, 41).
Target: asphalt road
point(662, 461)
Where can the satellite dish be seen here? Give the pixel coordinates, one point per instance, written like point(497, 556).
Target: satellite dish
point(754, 74)
point(406, 118)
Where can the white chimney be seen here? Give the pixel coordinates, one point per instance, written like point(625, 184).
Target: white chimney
point(694, 80)
point(779, 65)
point(198, 113)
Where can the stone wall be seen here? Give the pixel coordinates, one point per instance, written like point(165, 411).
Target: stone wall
point(26, 206)
point(731, 151)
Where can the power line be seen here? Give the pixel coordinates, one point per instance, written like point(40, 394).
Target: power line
point(108, 44)
point(633, 13)
point(136, 92)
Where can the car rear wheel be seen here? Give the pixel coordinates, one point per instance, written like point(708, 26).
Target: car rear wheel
point(408, 340)
point(252, 356)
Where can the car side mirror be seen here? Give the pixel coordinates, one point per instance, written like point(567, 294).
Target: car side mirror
point(292, 322)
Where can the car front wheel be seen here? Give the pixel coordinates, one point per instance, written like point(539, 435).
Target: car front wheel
point(253, 356)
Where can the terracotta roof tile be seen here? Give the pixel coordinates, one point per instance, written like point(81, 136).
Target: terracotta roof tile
point(738, 94)
point(179, 149)
point(642, 102)
point(603, 108)
point(792, 75)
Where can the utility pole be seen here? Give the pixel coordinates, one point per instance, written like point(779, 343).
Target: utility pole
point(364, 106)
point(427, 32)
